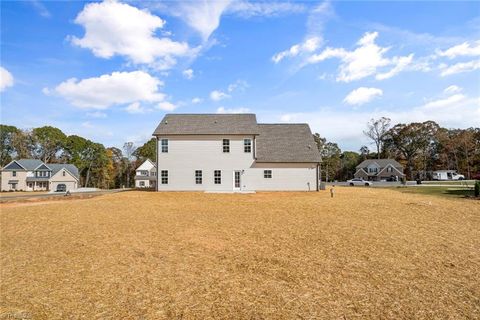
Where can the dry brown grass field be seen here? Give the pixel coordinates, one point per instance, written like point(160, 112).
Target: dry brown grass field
point(365, 254)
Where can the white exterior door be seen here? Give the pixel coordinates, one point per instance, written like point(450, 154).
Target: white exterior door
point(237, 180)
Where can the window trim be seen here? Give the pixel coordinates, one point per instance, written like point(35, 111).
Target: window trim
point(217, 177)
point(247, 145)
point(164, 146)
point(226, 145)
point(198, 177)
point(164, 176)
point(267, 174)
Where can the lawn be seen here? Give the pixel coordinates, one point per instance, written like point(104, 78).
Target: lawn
point(368, 253)
point(444, 191)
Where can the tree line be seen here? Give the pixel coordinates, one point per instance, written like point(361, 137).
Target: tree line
point(421, 147)
point(98, 166)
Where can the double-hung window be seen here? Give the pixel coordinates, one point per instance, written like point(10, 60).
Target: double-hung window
point(164, 144)
point(226, 145)
point(164, 175)
point(267, 174)
point(247, 145)
point(217, 177)
point(14, 173)
point(198, 177)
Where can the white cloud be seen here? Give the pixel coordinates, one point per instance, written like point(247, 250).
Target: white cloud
point(203, 16)
point(217, 95)
point(113, 28)
point(464, 49)
point(136, 108)
point(196, 100)
point(239, 85)
point(40, 8)
point(96, 114)
point(188, 73)
point(6, 79)
point(459, 67)
point(400, 63)
point(250, 9)
point(362, 95)
point(366, 60)
point(345, 127)
point(166, 106)
point(313, 39)
point(308, 46)
point(442, 103)
point(452, 89)
point(232, 110)
point(111, 89)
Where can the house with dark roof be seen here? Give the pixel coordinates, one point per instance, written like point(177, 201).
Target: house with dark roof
point(379, 169)
point(35, 175)
point(234, 153)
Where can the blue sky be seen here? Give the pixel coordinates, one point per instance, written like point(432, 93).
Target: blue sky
point(109, 71)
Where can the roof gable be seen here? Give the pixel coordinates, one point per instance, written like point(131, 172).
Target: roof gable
point(146, 165)
point(286, 143)
point(29, 164)
point(56, 167)
point(43, 167)
point(187, 124)
point(14, 165)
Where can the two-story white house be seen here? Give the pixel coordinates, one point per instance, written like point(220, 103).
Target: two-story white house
point(233, 153)
point(146, 175)
point(35, 175)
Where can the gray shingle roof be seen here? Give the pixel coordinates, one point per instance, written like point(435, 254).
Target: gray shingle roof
point(59, 166)
point(381, 162)
point(286, 143)
point(185, 124)
point(29, 164)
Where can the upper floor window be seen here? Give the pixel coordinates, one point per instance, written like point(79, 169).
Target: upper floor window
point(164, 175)
point(14, 173)
point(247, 145)
point(198, 177)
point(267, 174)
point(226, 145)
point(63, 173)
point(371, 170)
point(389, 169)
point(164, 143)
point(217, 177)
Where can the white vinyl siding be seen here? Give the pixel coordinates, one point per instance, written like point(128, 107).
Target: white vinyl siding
point(188, 154)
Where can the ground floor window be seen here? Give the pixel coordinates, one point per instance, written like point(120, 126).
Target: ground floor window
point(217, 177)
point(142, 183)
point(164, 175)
point(198, 177)
point(267, 174)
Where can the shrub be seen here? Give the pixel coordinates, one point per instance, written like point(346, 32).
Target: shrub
point(477, 188)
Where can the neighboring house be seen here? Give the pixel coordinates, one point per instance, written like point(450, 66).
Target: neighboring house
point(379, 169)
point(146, 175)
point(232, 152)
point(35, 175)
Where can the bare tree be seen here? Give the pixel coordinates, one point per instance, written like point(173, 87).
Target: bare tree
point(129, 149)
point(376, 131)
